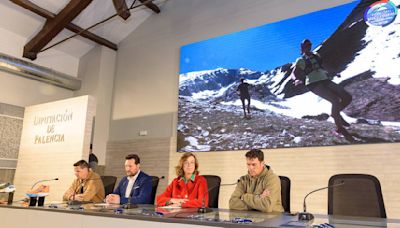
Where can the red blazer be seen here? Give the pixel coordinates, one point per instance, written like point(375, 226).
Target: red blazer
point(194, 191)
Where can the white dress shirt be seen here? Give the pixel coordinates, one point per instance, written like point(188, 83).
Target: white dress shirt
point(130, 184)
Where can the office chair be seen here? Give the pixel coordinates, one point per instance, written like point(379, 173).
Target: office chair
point(285, 192)
point(213, 183)
point(155, 181)
point(109, 183)
point(360, 195)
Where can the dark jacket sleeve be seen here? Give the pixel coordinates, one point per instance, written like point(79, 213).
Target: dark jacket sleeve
point(118, 189)
point(141, 191)
point(144, 188)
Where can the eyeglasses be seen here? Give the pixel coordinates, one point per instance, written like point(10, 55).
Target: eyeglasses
point(186, 163)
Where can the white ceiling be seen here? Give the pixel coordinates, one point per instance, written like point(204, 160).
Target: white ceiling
point(27, 24)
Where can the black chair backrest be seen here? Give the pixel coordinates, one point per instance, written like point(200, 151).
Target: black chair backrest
point(213, 183)
point(109, 183)
point(285, 193)
point(360, 195)
point(154, 187)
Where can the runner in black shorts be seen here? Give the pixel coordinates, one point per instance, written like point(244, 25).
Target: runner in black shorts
point(244, 94)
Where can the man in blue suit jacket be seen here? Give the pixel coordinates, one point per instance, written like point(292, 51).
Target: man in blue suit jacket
point(135, 187)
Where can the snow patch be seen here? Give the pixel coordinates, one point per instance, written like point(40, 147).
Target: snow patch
point(194, 145)
point(191, 76)
point(246, 71)
point(205, 94)
point(380, 55)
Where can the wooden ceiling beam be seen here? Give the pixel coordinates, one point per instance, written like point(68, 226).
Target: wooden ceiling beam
point(72, 27)
point(151, 5)
point(54, 26)
point(122, 9)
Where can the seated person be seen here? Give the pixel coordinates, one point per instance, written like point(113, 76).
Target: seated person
point(135, 187)
point(260, 189)
point(93, 161)
point(87, 186)
point(189, 189)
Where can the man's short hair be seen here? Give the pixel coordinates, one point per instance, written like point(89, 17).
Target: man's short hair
point(305, 42)
point(82, 164)
point(133, 156)
point(255, 153)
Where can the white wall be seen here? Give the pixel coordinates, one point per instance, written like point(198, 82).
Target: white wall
point(54, 136)
point(20, 91)
point(96, 69)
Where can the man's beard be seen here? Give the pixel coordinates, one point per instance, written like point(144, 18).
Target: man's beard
point(130, 174)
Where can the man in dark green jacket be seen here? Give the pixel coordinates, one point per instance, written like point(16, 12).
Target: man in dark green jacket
point(260, 189)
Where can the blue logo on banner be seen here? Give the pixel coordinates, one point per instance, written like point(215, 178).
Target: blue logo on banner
point(381, 13)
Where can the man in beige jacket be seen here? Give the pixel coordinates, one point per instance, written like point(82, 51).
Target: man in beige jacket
point(87, 186)
point(260, 189)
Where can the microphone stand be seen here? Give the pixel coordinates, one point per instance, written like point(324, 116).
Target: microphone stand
point(203, 208)
point(306, 216)
point(8, 188)
point(40, 199)
point(42, 181)
point(129, 205)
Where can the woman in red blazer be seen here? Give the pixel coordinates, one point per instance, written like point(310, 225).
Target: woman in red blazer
point(189, 189)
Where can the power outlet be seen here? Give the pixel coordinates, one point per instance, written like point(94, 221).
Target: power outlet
point(143, 133)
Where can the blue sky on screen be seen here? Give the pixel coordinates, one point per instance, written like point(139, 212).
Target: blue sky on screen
point(265, 47)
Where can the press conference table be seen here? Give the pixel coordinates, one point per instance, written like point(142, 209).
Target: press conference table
point(101, 216)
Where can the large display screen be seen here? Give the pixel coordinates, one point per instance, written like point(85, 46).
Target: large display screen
point(330, 77)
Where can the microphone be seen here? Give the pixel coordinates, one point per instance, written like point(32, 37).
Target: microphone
point(43, 181)
point(203, 208)
point(129, 205)
point(306, 216)
point(6, 187)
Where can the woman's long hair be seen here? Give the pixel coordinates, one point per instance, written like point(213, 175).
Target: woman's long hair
point(179, 167)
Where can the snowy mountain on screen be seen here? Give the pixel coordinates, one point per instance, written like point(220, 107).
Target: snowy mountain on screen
point(364, 60)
